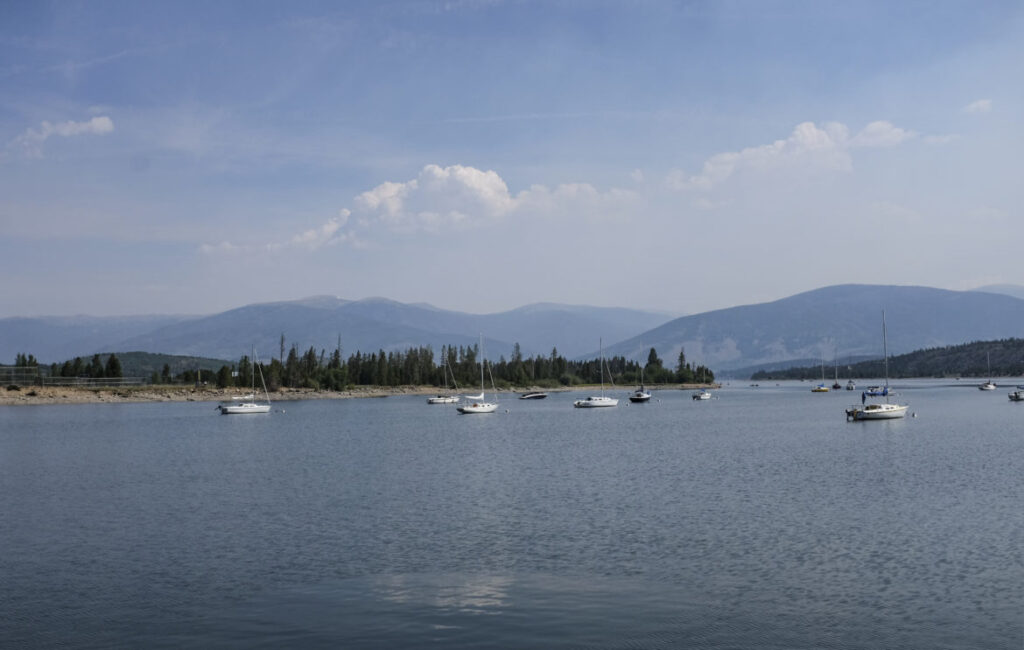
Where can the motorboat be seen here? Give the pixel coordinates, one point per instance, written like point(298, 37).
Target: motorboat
point(702, 395)
point(597, 401)
point(533, 395)
point(988, 385)
point(1017, 396)
point(877, 391)
point(851, 385)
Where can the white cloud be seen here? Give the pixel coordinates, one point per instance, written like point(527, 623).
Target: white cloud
point(808, 146)
point(437, 197)
point(880, 134)
point(32, 139)
point(979, 106)
point(447, 197)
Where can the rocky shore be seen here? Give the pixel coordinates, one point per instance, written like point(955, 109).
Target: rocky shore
point(28, 395)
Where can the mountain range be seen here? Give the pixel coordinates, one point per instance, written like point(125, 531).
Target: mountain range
point(367, 325)
point(839, 322)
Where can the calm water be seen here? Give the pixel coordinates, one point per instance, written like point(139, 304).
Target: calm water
point(760, 519)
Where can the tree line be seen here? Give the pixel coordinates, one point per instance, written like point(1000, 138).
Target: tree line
point(456, 366)
point(417, 366)
point(1001, 358)
point(96, 368)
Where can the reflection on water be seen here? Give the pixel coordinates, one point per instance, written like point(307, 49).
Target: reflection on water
point(464, 594)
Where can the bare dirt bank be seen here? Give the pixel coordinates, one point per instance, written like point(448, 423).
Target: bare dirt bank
point(28, 395)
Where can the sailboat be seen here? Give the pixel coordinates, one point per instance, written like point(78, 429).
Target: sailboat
point(884, 411)
point(703, 394)
point(988, 385)
point(821, 388)
point(250, 405)
point(479, 404)
point(835, 382)
point(595, 401)
point(640, 394)
point(446, 397)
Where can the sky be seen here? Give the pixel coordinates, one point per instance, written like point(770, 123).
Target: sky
point(193, 157)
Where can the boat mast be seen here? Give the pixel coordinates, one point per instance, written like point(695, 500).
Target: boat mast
point(885, 351)
point(600, 345)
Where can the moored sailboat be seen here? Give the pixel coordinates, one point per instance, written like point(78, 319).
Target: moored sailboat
point(249, 403)
point(479, 403)
point(876, 411)
point(595, 401)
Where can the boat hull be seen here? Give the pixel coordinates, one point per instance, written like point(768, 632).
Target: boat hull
point(533, 396)
point(477, 407)
point(876, 412)
point(443, 399)
point(595, 402)
point(243, 409)
point(646, 397)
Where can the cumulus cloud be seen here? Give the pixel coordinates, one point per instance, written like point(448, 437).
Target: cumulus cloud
point(979, 106)
point(436, 198)
point(808, 146)
point(450, 197)
point(32, 139)
point(880, 134)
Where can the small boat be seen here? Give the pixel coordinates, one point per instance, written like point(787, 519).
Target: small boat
point(851, 385)
point(702, 395)
point(446, 397)
point(876, 412)
point(640, 395)
point(835, 384)
point(479, 404)
point(883, 411)
point(988, 385)
point(533, 395)
point(596, 401)
point(877, 391)
point(248, 403)
point(821, 388)
point(1017, 396)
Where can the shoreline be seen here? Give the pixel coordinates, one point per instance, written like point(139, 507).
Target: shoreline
point(46, 395)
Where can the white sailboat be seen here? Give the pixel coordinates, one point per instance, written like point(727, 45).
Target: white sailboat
point(595, 401)
point(249, 405)
point(885, 410)
point(479, 403)
point(988, 385)
point(446, 397)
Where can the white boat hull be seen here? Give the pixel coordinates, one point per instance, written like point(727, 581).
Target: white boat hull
point(478, 407)
point(241, 409)
point(988, 385)
point(595, 402)
point(702, 395)
point(877, 412)
point(443, 399)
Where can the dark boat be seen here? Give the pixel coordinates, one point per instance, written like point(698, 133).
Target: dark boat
point(534, 395)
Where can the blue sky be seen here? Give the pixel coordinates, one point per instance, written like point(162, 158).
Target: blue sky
point(194, 157)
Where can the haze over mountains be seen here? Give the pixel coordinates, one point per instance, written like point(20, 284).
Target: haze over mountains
point(841, 322)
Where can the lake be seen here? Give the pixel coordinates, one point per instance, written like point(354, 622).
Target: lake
point(758, 519)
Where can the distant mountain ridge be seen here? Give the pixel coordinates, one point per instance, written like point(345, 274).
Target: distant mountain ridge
point(367, 325)
point(841, 321)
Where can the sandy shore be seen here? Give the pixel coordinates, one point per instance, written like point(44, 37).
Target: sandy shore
point(28, 395)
